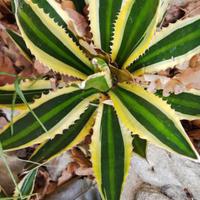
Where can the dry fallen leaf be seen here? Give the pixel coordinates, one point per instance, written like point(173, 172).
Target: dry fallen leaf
point(190, 78)
point(195, 134)
point(40, 68)
point(78, 25)
point(192, 8)
point(196, 123)
point(16, 166)
point(84, 171)
point(44, 185)
point(79, 157)
point(67, 4)
point(6, 65)
point(68, 173)
point(76, 189)
point(173, 14)
point(3, 122)
point(181, 10)
point(185, 77)
point(57, 165)
point(5, 8)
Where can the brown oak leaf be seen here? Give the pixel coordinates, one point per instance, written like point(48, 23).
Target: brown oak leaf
point(6, 65)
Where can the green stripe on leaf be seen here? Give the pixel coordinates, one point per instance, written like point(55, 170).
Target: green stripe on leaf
point(172, 45)
point(139, 146)
point(156, 123)
point(111, 153)
point(106, 19)
point(70, 137)
point(53, 47)
point(139, 27)
point(55, 14)
point(7, 96)
point(187, 103)
point(56, 111)
point(26, 186)
point(103, 14)
point(30, 89)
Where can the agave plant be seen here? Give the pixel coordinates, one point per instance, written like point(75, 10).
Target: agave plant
point(122, 114)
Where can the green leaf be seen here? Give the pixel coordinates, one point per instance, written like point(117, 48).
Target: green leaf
point(171, 46)
point(139, 146)
point(7, 96)
point(21, 95)
point(152, 119)
point(101, 80)
point(134, 29)
point(56, 111)
point(70, 137)
point(111, 152)
point(8, 74)
point(30, 89)
point(187, 104)
point(18, 40)
point(102, 15)
point(26, 186)
point(49, 42)
point(2, 193)
point(13, 6)
point(57, 13)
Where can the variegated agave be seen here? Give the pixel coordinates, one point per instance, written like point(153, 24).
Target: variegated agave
point(105, 96)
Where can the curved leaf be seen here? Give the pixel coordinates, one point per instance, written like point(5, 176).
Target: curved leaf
point(101, 80)
point(70, 137)
point(31, 90)
point(102, 15)
point(26, 186)
point(57, 13)
point(139, 146)
point(56, 111)
point(156, 123)
point(134, 30)
point(111, 152)
point(172, 45)
point(53, 47)
point(187, 104)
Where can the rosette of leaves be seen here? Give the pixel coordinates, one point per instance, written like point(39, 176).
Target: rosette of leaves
point(122, 114)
